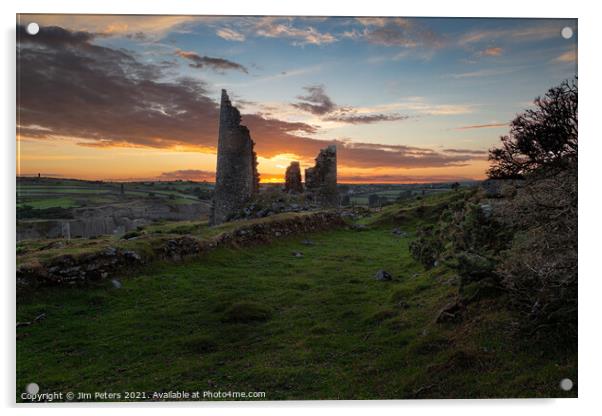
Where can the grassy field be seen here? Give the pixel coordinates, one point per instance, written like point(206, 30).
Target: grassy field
point(42, 193)
point(261, 319)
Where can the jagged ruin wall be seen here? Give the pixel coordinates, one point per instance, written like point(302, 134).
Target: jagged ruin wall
point(236, 174)
point(292, 178)
point(321, 180)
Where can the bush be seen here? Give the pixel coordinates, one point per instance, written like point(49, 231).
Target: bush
point(427, 246)
point(466, 236)
point(540, 268)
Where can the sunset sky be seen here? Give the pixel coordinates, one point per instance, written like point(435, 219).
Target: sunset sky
point(404, 99)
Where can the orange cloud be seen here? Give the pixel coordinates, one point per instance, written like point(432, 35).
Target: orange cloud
point(492, 52)
point(569, 56)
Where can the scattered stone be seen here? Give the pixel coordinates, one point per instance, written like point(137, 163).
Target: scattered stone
point(54, 244)
point(383, 276)
point(399, 233)
point(116, 283)
point(486, 209)
point(38, 318)
point(108, 262)
point(308, 242)
point(359, 227)
point(132, 255)
point(297, 254)
point(184, 246)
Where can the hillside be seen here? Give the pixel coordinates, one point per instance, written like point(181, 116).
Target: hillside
point(298, 317)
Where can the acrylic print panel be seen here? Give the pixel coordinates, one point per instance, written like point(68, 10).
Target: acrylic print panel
point(291, 208)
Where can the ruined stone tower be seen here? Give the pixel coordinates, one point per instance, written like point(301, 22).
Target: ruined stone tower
point(321, 180)
point(292, 178)
point(236, 177)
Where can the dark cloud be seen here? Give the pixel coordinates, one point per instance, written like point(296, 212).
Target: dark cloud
point(217, 64)
point(389, 36)
point(399, 32)
point(365, 118)
point(54, 36)
point(71, 87)
point(482, 126)
point(316, 101)
point(370, 155)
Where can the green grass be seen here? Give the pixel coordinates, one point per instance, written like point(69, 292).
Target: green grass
point(62, 202)
point(47, 193)
point(260, 319)
point(34, 251)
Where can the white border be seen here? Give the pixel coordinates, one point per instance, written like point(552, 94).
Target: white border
point(590, 288)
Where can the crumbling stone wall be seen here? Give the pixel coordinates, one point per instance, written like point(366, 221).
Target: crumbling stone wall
point(237, 178)
point(321, 180)
point(292, 178)
point(110, 262)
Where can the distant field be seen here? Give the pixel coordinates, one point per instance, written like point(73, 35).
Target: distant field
point(49, 193)
point(391, 195)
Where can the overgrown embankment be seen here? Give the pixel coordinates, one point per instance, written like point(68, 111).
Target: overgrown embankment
point(68, 262)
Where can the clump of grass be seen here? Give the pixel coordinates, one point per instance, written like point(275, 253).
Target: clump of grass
point(187, 229)
point(430, 344)
point(301, 286)
point(199, 343)
point(246, 311)
point(401, 295)
point(320, 329)
point(382, 315)
point(131, 234)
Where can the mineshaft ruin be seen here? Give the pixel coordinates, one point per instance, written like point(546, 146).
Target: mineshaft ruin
point(236, 178)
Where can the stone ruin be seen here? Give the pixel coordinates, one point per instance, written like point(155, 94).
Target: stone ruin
point(292, 179)
point(321, 180)
point(237, 179)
